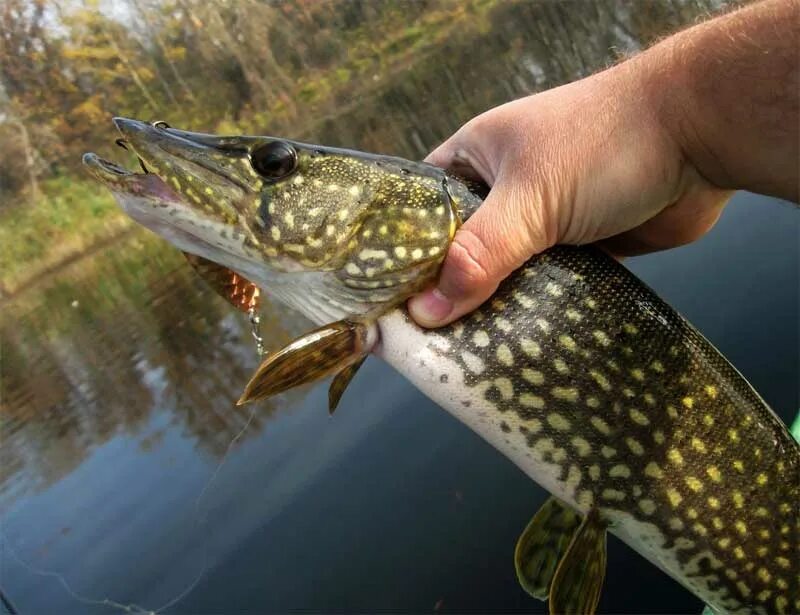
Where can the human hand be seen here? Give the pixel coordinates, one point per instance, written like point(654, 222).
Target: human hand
point(640, 157)
point(580, 163)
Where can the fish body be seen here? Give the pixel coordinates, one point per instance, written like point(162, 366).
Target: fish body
point(574, 369)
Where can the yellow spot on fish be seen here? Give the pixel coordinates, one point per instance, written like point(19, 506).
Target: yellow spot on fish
point(738, 499)
point(594, 472)
point(543, 324)
point(332, 187)
point(355, 191)
point(600, 425)
point(676, 523)
point(708, 420)
point(581, 445)
point(700, 529)
point(724, 542)
point(352, 269)
point(276, 233)
point(531, 401)
point(638, 417)
point(590, 303)
point(600, 379)
point(658, 436)
point(533, 376)
point(561, 366)
point(733, 435)
point(674, 497)
point(738, 552)
point(592, 402)
point(383, 229)
point(635, 446)
point(298, 180)
point(763, 533)
point(504, 355)
point(504, 325)
point(573, 315)
point(607, 451)
point(740, 527)
point(717, 522)
point(416, 254)
point(761, 479)
point(565, 393)
point(613, 494)
point(698, 445)
point(568, 343)
point(714, 473)
point(619, 471)
point(530, 348)
point(674, 455)
point(558, 421)
point(638, 374)
point(553, 289)
point(672, 411)
point(653, 470)
point(175, 182)
point(713, 502)
point(738, 465)
point(782, 561)
point(602, 338)
point(505, 387)
point(524, 300)
point(657, 366)
point(648, 507)
point(688, 401)
point(480, 338)
point(693, 483)
point(711, 391)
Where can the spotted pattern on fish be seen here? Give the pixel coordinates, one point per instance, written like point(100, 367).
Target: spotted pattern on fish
point(656, 416)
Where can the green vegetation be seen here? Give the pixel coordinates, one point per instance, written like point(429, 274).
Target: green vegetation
point(70, 217)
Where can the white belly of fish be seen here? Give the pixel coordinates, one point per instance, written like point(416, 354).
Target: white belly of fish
point(423, 356)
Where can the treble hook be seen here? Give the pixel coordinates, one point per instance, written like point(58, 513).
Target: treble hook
point(159, 124)
point(122, 143)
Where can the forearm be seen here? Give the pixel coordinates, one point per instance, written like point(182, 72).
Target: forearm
point(728, 91)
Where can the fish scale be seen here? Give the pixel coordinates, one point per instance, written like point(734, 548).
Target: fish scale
point(574, 369)
point(583, 376)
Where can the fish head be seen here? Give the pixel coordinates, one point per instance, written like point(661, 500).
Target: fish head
point(331, 232)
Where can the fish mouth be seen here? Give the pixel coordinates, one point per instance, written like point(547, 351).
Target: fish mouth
point(124, 181)
point(152, 196)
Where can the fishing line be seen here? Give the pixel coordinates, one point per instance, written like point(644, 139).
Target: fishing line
point(134, 608)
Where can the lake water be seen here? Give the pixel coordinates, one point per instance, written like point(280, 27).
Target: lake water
point(128, 478)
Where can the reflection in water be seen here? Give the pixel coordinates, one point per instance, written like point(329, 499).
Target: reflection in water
point(96, 351)
point(120, 372)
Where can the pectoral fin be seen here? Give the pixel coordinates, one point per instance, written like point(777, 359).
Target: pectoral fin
point(340, 382)
point(579, 577)
point(542, 545)
point(323, 352)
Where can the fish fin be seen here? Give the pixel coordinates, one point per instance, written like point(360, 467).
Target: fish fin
point(340, 382)
point(315, 355)
point(579, 577)
point(542, 545)
point(234, 288)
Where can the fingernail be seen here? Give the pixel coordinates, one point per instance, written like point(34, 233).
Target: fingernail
point(430, 308)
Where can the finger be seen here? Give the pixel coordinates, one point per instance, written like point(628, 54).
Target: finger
point(495, 241)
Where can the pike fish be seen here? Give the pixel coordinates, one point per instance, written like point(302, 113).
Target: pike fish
point(574, 369)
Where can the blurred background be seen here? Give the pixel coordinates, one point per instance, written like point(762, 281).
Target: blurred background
point(129, 481)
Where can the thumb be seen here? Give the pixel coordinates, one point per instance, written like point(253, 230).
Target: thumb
point(505, 231)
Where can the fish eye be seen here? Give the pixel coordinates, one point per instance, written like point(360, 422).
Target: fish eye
point(274, 160)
